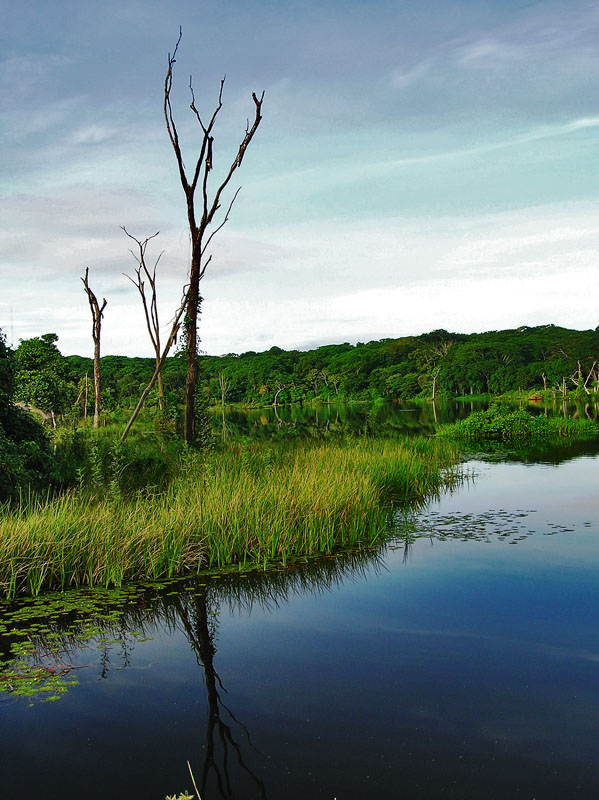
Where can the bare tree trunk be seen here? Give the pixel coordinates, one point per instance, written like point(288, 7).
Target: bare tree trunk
point(157, 372)
point(435, 376)
point(200, 218)
point(97, 314)
point(191, 344)
point(151, 311)
point(224, 384)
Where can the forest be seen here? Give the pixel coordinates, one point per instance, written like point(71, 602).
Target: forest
point(438, 364)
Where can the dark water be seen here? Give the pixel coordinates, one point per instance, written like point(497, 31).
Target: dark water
point(461, 661)
point(384, 419)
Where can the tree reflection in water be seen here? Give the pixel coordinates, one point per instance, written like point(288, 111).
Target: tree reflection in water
point(198, 622)
point(67, 627)
point(196, 614)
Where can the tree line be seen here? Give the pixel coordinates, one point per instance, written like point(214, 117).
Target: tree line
point(434, 365)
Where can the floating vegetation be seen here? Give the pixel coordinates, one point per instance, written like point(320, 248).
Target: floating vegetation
point(40, 636)
point(47, 641)
point(501, 424)
point(491, 525)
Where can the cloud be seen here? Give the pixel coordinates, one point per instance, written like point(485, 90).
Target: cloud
point(23, 75)
point(401, 79)
point(92, 134)
point(488, 50)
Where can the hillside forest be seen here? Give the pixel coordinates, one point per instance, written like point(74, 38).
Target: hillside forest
point(434, 365)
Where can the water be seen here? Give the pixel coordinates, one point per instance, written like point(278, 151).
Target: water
point(460, 661)
point(383, 419)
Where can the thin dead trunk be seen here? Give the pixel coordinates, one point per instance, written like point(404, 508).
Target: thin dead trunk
point(97, 314)
point(224, 384)
point(435, 376)
point(151, 308)
point(172, 336)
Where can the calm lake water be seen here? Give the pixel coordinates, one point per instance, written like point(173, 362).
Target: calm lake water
point(461, 660)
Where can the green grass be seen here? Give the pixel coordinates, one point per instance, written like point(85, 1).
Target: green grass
point(245, 506)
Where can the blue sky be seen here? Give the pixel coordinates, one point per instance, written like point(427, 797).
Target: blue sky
point(419, 165)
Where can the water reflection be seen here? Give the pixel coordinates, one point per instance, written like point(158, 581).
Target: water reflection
point(380, 419)
point(47, 645)
point(196, 617)
point(466, 664)
point(319, 421)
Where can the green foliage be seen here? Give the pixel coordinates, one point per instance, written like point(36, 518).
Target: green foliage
point(494, 362)
point(203, 434)
point(43, 378)
point(25, 455)
point(502, 424)
point(94, 461)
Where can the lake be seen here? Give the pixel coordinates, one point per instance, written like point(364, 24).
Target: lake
point(460, 660)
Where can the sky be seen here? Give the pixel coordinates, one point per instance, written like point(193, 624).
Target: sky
point(420, 165)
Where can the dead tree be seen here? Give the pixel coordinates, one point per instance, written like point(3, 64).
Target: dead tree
point(97, 314)
point(224, 384)
point(280, 388)
point(82, 396)
point(577, 377)
point(202, 205)
point(176, 324)
point(150, 308)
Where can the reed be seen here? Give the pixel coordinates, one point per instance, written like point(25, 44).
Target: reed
point(244, 506)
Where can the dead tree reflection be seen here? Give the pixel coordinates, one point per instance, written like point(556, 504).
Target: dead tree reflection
point(197, 619)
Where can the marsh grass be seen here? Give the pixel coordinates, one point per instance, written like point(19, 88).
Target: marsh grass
point(245, 505)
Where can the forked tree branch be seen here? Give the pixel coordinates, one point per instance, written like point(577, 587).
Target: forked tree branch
point(201, 216)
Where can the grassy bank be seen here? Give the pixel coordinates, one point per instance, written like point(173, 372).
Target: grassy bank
point(244, 506)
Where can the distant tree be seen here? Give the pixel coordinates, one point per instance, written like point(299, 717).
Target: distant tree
point(201, 216)
point(224, 384)
point(97, 314)
point(43, 376)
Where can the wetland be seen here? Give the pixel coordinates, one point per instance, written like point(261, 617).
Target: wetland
point(454, 656)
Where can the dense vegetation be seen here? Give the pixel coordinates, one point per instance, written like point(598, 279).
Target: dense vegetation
point(496, 362)
point(249, 506)
point(153, 507)
point(504, 424)
point(25, 457)
point(543, 359)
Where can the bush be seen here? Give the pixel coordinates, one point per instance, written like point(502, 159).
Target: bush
point(501, 424)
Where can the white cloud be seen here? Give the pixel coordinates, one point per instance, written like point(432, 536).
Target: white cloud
point(402, 78)
point(488, 50)
point(92, 134)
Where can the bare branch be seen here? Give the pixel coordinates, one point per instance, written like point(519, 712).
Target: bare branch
point(168, 113)
point(240, 154)
point(167, 347)
point(223, 223)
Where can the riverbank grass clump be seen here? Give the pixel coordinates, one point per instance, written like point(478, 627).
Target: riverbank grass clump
point(244, 505)
point(502, 424)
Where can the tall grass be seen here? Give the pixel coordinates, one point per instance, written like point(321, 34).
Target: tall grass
point(247, 505)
